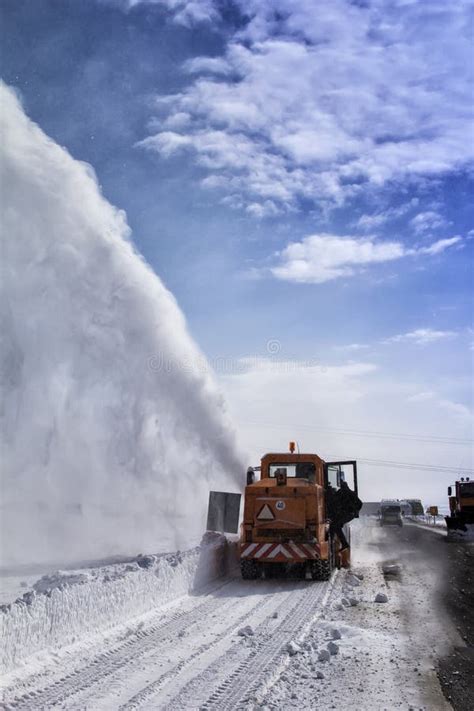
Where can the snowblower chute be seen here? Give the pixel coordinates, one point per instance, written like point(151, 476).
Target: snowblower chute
point(223, 512)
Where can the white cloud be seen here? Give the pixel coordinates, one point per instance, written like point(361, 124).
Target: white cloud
point(422, 396)
point(439, 246)
point(421, 337)
point(167, 142)
point(427, 221)
point(371, 222)
point(213, 65)
point(175, 121)
point(323, 257)
point(328, 96)
point(262, 209)
point(183, 12)
point(193, 12)
point(352, 347)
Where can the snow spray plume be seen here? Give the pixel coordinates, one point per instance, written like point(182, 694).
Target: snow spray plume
point(112, 431)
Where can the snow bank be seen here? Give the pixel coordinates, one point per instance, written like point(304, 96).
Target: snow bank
point(112, 430)
point(432, 521)
point(66, 606)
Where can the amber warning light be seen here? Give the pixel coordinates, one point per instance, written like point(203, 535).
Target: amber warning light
point(292, 447)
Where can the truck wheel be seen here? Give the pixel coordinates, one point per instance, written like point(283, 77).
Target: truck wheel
point(250, 569)
point(271, 570)
point(321, 570)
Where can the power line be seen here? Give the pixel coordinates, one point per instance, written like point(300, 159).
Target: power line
point(393, 464)
point(365, 433)
point(461, 471)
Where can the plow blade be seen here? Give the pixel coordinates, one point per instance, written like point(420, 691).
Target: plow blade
point(455, 524)
point(223, 512)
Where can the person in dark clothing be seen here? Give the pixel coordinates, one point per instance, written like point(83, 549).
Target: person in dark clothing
point(349, 502)
point(342, 506)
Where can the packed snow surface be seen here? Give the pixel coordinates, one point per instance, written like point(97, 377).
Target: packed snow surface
point(112, 428)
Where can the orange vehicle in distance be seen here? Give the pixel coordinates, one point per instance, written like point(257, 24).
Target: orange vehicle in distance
point(296, 515)
point(461, 507)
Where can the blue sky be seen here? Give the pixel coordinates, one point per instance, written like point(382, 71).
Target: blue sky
point(296, 172)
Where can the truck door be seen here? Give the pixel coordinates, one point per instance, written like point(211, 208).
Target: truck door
point(337, 472)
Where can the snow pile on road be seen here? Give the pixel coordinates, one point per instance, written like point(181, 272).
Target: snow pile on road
point(112, 428)
point(67, 606)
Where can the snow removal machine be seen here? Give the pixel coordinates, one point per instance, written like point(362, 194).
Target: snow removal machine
point(461, 507)
point(296, 511)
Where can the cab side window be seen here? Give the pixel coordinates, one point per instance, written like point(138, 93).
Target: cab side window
point(306, 470)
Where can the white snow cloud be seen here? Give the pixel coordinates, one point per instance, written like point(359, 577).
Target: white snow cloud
point(326, 97)
point(322, 257)
point(112, 428)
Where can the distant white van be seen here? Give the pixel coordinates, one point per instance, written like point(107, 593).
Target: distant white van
point(391, 514)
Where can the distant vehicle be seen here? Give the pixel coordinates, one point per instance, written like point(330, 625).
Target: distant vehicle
point(416, 507)
point(391, 515)
point(405, 507)
point(461, 506)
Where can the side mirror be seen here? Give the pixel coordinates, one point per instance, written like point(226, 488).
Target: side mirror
point(250, 476)
point(450, 490)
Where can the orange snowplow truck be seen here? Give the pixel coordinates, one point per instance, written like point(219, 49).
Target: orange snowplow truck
point(296, 515)
point(461, 506)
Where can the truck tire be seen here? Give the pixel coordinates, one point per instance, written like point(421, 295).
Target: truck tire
point(321, 570)
point(250, 569)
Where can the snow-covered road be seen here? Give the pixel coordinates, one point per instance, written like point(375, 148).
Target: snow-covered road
point(187, 655)
point(269, 644)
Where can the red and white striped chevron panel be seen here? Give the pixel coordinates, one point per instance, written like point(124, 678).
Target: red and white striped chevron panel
point(280, 552)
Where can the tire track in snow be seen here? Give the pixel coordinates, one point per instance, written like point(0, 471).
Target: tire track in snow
point(261, 665)
point(152, 689)
point(116, 658)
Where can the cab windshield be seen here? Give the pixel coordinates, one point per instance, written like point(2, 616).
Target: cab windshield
point(467, 490)
point(300, 470)
point(391, 510)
